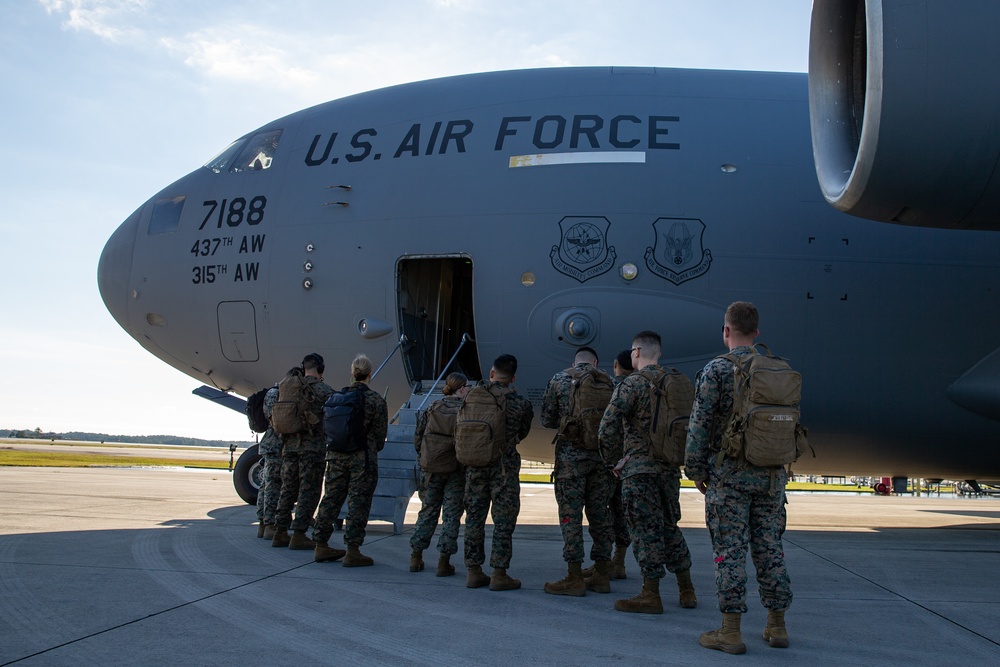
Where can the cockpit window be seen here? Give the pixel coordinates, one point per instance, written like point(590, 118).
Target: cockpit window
point(166, 215)
point(258, 153)
point(220, 162)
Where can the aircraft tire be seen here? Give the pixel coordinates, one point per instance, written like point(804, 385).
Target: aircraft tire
point(246, 475)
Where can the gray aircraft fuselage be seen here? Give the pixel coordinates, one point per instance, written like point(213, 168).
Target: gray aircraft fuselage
point(540, 210)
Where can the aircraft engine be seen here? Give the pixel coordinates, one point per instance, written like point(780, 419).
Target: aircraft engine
point(905, 110)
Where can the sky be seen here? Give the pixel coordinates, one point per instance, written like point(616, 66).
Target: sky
point(105, 102)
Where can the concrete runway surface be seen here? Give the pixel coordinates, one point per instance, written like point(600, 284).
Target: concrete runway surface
point(161, 566)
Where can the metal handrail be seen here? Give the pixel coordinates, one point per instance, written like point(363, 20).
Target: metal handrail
point(465, 339)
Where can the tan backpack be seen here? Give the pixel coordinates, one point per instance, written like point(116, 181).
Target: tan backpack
point(437, 447)
point(292, 412)
point(670, 399)
point(481, 426)
point(589, 398)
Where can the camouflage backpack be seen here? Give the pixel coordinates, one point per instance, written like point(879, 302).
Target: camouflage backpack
point(670, 400)
point(481, 425)
point(591, 393)
point(292, 412)
point(764, 428)
point(437, 447)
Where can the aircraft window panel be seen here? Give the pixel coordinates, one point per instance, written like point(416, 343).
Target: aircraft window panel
point(220, 162)
point(166, 215)
point(258, 154)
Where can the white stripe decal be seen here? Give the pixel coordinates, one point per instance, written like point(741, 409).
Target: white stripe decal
point(597, 157)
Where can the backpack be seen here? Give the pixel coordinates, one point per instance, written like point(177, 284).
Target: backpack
point(258, 421)
point(670, 400)
point(437, 447)
point(764, 428)
point(591, 393)
point(481, 426)
point(344, 421)
point(292, 411)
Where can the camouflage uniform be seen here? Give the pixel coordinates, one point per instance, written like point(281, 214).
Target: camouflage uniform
point(442, 494)
point(302, 467)
point(744, 504)
point(270, 451)
point(650, 488)
point(352, 476)
point(581, 479)
point(618, 523)
point(500, 484)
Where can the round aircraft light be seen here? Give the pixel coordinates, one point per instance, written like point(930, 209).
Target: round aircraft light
point(728, 168)
point(307, 284)
point(369, 327)
point(579, 327)
point(629, 271)
point(527, 278)
point(308, 266)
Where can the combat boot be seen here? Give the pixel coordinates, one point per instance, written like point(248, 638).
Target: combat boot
point(600, 581)
point(445, 568)
point(260, 529)
point(588, 571)
point(299, 542)
point(571, 584)
point(646, 602)
point(476, 578)
point(280, 538)
point(499, 581)
point(324, 552)
point(268, 531)
point(688, 599)
point(775, 633)
point(417, 560)
point(355, 558)
point(618, 563)
point(727, 638)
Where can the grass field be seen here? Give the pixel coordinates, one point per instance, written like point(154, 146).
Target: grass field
point(13, 457)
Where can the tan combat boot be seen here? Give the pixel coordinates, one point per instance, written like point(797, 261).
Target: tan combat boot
point(572, 584)
point(775, 633)
point(727, 638)
point(280, 538)
point(476, 578)
point(268, 531)
point(445, 568)
point(646, 602)
point(499, 581)
point(688, 599)
point(298, 541)
point(324, 552)
point(588, 571)
point(260, 529)
point(355, 558)
point(618, 563)
point(417, 560)
point(600, 581)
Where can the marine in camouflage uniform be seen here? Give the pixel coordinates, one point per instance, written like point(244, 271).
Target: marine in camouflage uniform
point(650, 487)
point(353, 476)
point(496, 489)
point(618, 522)
point(744, 504)
point(582, 482)
point(270, 451)
point(302, 470)
point(441, 495)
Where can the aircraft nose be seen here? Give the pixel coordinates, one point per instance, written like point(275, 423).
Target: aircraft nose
point(115, 269)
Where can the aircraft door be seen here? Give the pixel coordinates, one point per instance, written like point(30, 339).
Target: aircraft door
point(434, 310)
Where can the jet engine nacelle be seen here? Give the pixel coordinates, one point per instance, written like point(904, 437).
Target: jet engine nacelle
point(905, 110)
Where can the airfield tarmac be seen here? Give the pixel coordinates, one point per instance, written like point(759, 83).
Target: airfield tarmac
point(161, 566)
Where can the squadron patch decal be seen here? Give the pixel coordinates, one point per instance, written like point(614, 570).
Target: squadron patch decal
point(583, 251)
point(679, 244)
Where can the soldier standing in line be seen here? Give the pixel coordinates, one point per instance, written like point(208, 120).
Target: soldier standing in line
point(443, 491)
point(581, 480)
point(353, 476)
point(622, 369)
point(498, 485)
point(650, 488)
point(302, 463)
point(744, 504)
point(270, 451)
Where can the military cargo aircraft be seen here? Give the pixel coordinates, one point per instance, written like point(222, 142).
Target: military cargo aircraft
point(533, 212)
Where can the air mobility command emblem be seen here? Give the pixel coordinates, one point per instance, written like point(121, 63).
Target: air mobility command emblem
point(583, 251)
point(677, 254)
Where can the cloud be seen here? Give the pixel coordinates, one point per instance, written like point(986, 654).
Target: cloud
point(108, 19)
